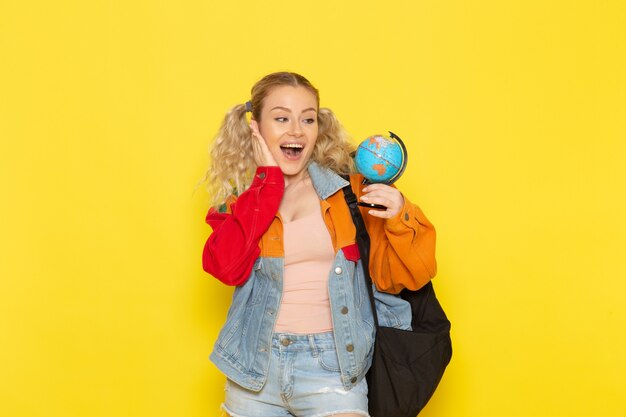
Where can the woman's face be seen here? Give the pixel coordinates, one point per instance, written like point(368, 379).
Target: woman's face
point(289, 126)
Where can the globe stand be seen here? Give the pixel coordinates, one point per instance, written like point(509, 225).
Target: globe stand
point(371, 205)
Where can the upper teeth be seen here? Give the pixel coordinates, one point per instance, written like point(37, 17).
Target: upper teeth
point(292, 145)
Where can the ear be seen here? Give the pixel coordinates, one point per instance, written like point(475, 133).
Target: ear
point(255, 127)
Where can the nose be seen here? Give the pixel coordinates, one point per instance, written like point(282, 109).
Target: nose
point(296, 128)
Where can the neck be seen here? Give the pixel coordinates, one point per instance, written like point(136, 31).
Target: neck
point(294, 180)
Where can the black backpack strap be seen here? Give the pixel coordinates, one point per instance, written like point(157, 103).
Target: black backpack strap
point(363, 242)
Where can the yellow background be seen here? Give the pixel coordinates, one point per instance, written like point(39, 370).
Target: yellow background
point(514, 116)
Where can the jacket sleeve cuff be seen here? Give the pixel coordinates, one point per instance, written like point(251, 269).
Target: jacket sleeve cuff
point(406, 218)
point(267, 175)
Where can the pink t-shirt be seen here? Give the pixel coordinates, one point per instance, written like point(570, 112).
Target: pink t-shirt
point(309, 255)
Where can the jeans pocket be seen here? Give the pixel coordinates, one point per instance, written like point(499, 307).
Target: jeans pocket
point(328, 360)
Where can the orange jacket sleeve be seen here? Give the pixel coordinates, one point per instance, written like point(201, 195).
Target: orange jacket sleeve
point(402, 249)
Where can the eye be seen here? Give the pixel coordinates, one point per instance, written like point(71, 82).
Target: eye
point(280, 119)
point(309, 121)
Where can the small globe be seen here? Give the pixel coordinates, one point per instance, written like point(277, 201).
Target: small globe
point(381, 159)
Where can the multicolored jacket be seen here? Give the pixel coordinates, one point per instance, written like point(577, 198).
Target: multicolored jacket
point(246, 250)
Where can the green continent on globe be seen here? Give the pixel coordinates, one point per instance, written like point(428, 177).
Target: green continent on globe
point(375, 140)
point(380, 168)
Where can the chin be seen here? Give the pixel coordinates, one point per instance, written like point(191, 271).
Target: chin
point(289, 168)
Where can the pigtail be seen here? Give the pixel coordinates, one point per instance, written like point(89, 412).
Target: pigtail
point(232, 159)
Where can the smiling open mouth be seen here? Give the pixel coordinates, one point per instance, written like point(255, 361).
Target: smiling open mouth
point(292, 150)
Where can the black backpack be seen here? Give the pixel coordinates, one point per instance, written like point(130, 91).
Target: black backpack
point(407, 365)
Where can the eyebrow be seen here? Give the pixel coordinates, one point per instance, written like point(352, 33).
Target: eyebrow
point(289, 110)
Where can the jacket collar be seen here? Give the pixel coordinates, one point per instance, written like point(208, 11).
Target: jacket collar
point(325, 181)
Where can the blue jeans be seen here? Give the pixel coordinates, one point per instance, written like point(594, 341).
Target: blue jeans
point(303, 381)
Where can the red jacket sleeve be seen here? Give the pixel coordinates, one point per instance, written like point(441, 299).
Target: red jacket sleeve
point(232, 248)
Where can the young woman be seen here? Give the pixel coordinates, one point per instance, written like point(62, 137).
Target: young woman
point(299, 333)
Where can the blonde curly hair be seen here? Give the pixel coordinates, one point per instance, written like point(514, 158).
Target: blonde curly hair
point(232, 159)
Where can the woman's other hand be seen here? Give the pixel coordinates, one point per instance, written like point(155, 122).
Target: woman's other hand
point(262, 154)
point(384, 195)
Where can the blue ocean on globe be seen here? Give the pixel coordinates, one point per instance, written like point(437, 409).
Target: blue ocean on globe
point(380, 159)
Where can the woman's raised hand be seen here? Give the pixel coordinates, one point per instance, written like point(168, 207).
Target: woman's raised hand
point(262, 154)
point(384, 195)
